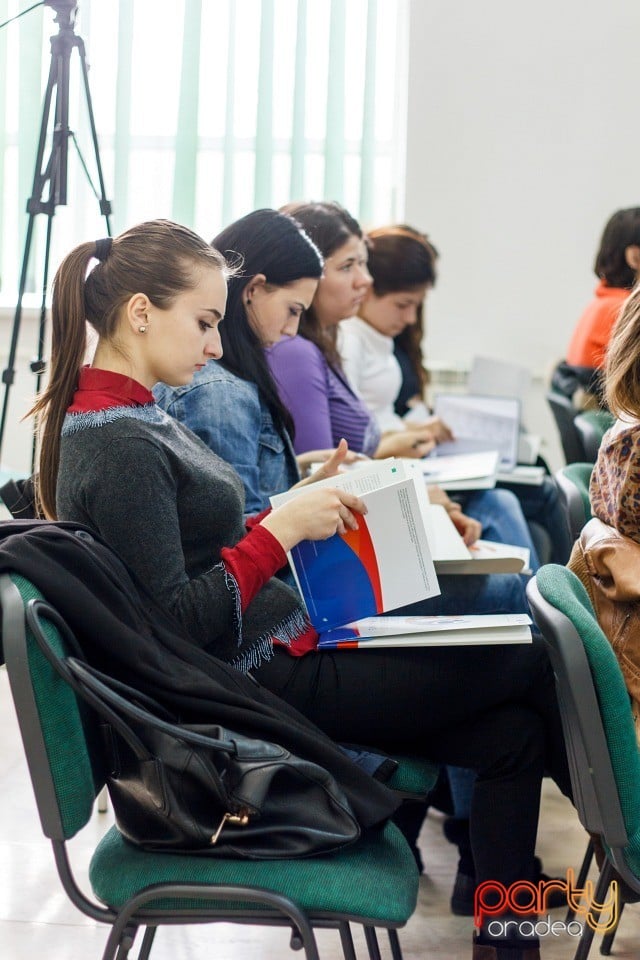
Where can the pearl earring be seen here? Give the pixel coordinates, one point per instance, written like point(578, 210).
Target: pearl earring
point(142, 329)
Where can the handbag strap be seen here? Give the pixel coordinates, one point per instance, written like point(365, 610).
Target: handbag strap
point(114, 701)
point(98, 686)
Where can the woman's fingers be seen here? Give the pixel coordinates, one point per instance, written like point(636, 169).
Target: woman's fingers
point(423, 447)
point(333, 462)
point(351, 501)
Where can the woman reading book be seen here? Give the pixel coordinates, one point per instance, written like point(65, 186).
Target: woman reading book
point(402, 263)
point(325, 406)
point(173, 510)
point(233, 404)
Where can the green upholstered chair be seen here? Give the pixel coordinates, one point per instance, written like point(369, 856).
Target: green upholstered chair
point(598, 726)
point(564, 414)
point(373, 882)
point(591, 426)
point(573, 486)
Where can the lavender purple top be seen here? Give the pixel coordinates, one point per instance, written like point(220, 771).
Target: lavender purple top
point(323, 405)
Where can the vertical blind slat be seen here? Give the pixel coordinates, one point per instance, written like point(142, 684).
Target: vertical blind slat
point(334, 134)
point(122, 137)
point(29, 114)
point(263, 187)
point(318, 162)
point(4, 13)
point(229, 120)
point(298, 131)
point(186, 165)
point(367, 153)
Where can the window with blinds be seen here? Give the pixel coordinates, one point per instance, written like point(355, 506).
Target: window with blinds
point(205, 110)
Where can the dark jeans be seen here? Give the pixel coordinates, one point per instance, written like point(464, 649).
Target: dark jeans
point(491, 708)
point(542, 504)
point(498, 593)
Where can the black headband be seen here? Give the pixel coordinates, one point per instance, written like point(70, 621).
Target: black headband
point(103, 248)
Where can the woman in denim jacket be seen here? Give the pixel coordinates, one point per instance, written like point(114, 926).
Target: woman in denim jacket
point(232, 404)
point(228, 413)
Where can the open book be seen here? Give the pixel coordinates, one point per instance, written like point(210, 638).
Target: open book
point(464, 471)
point(451, 555)
point(383, 565)
point(393, 631)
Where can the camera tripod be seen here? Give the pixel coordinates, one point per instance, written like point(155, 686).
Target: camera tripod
point(51, 177)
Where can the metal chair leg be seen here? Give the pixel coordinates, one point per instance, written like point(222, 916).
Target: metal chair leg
point(605, 878)
point(582, 876)
point(372, 943)
point(607, 940)
point(346, 939)
point(147, 943)
point(394, 943)
point(122, 944)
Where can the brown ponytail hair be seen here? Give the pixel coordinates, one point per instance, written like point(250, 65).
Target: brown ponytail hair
point(156, 258)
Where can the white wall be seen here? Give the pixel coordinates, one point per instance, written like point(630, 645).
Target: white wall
point(523, 137)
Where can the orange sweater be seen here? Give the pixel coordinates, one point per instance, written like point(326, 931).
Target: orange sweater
point(591, 336)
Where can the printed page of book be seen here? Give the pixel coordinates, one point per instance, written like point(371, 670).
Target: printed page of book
point(452, 556)
point(435, 638)
point(464, 466)
point(444, 540)
point(490, 557)
point(391, 625)
point(522, 473)
point(359, 478)
point(475, 483)
point(383, 565)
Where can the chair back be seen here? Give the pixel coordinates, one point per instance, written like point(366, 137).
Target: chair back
point(604, 759)
point(591, 426)
point(59, 734)
point(564, 414)
point(573, 487)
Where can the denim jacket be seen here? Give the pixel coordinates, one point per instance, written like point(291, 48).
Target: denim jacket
point(228, 414)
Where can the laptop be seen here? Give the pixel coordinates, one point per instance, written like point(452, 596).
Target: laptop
point(493, 378)
point(480, 423)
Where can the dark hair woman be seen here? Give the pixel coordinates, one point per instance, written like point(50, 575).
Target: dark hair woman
point(232, 403)
point(617, 266)
point(173, 510)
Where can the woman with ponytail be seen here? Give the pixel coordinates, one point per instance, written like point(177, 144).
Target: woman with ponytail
point(174, 511)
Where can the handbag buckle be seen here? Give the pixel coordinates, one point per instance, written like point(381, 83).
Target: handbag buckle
point(241, 819)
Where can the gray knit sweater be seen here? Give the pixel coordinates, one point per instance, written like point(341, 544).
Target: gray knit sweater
point(168, 506)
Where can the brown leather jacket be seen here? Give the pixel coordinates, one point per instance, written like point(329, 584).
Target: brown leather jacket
point(608, 564)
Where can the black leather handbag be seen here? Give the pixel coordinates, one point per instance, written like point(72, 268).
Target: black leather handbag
point(204, 788)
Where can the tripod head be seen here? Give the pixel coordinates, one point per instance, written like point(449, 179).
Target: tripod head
point(61, 6)
point(65, 11)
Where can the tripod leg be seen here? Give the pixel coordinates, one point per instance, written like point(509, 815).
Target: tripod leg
point(34, 206)
point(55, 174)
point(105, 205)
point(38, 365)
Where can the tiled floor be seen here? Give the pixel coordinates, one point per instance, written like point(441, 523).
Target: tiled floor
point(36, 919)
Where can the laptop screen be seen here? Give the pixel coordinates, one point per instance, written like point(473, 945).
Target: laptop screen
point(493, 378)
point(478, 420)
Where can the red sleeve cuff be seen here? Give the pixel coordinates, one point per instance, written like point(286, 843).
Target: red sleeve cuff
point(251, 522)
point(253, 561)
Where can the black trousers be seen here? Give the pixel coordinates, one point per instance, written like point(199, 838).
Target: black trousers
point(490, 708)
